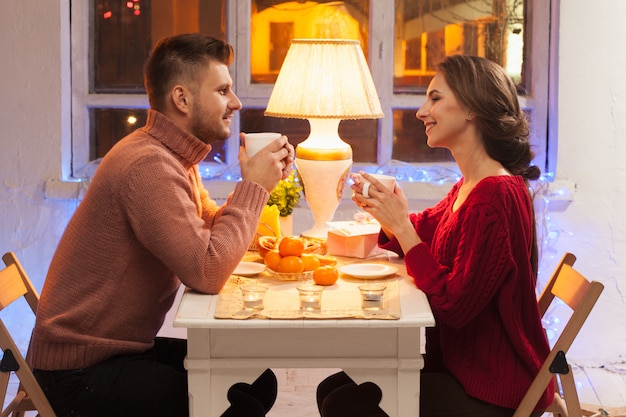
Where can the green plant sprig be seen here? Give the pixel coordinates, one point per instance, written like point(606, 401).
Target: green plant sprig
point(286, 194)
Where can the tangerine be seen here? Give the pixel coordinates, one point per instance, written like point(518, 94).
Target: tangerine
point(325, 275)
point(311, 262)
point(290, 246)
point(290, 264)
point(272, 259)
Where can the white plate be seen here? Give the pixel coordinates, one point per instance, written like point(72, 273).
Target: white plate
point(249, 269)
point(368, 271)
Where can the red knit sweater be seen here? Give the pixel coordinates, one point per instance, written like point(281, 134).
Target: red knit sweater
point(474, 267)
point(146, 224)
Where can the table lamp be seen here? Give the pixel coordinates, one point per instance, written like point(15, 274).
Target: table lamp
point(324, 81)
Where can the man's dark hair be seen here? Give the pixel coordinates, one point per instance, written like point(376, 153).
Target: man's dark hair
point(178, 59)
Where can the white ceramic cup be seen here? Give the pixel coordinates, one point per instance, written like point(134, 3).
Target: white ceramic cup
point(254, 142)
point(386, 180)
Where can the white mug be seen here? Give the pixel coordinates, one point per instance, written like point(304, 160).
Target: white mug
point(254, 142)
point(386, 180)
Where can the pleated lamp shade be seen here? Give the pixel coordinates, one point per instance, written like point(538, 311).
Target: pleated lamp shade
point(324, 78)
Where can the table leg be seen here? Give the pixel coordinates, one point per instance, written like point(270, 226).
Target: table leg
point(410, 363)
point(198, 368)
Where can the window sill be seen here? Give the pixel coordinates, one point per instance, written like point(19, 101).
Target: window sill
point(560, 193)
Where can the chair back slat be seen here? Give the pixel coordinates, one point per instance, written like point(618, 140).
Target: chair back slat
point(546, 297)
point(11, 286)
point(32, 295)
point(570, 287)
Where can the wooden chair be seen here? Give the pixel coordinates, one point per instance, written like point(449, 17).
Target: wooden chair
point(580, 294)
point(14, 283)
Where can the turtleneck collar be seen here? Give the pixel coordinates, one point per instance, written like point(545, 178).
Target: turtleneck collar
point(181, 142)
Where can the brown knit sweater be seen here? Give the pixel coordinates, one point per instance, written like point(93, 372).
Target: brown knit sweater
point(146, 224)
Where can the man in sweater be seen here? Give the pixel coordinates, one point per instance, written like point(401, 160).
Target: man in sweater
point(145, 225)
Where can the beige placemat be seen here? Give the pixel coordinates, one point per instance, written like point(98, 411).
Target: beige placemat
point(339, 301)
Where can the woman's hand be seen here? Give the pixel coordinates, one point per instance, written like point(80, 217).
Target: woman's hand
point(389, 207)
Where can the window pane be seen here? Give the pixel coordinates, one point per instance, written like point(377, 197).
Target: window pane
point(124, 32)
point(410, 141)
point(360, 134)
point(428, 30)
point(108, 126)
point(275, 23)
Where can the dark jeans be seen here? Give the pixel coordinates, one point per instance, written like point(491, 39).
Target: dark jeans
point(153, 383)
point(442, 396)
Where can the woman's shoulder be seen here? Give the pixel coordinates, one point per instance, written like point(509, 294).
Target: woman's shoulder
point(500, 193)
point(496, 192)
point(502, 180)
point(501, 185)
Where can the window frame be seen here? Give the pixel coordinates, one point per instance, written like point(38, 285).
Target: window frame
point(542, 15)
point(82, 100)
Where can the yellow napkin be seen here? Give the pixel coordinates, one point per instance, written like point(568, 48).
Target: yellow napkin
point(269, 224)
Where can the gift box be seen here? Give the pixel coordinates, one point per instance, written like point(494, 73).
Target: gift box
point(353, 239)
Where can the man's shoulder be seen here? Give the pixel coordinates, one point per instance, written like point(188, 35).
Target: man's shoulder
point(138, 146)
point(135, 157)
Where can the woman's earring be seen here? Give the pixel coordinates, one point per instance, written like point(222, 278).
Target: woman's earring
point(469, 116)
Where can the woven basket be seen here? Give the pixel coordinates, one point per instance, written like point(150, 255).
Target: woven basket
point(290, 276)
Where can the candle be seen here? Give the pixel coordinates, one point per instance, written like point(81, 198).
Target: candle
point(253, 301)
point(309, 303)
point(372, 296)
point(310, 297)
point(252, 296)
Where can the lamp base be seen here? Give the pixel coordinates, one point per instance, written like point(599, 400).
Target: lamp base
point(316, 232)
point(323, 183)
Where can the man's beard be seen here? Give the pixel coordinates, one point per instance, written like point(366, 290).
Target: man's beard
point(203, 130)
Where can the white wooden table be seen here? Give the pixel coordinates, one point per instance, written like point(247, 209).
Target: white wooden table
point(222, 352)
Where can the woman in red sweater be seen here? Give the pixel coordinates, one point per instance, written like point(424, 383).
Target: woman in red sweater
point(474, 254)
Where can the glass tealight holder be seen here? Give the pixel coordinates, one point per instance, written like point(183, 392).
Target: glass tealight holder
point(372, 296)
point(310, 297)
point(253, 296)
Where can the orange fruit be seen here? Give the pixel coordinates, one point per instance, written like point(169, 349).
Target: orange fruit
point(272, 259)
point(290, 246)
point(265, 244)
point(310, 261)
point(325, 275)
point(290, 264)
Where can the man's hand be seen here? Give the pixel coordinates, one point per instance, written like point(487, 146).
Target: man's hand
point(270, 165)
